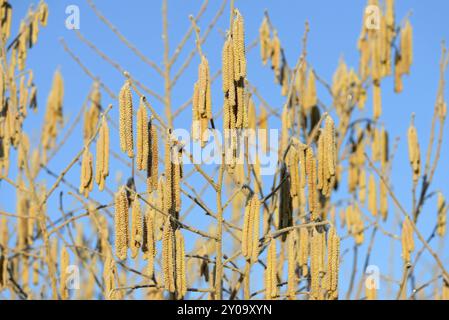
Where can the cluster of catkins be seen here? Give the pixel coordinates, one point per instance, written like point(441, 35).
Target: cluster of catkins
point(270, 49)
point(375, 46)
point(16, 98)
point(235, 108)
point(164, 194)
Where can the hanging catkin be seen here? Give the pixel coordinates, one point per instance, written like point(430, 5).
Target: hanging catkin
point(303, 250)
point(64, 258)
point(255, 229)
point(276, 55)
point(86, 179)
point(292, 281)
point(377, 101)
point(153, 157)
point(168, 164)
point(264, 40)
point(408, 244)
point(362, 187)
point(441, 215)
point(102, 160)
point(136, 228)
point(271, 290)
point(310, 99)
point(292, 161)
point(333, 256)
point(181, 282)
point(285, 203)
point(4, 238)
point(414, 151)
point(372, 195)
point(315, 264)
point(383, 205)
point(168, 262)
point(91, 116)
point(126, 120)
point(311, 182)
point(53, 114)
point(109, 277)
point(330, 145)
point(142, 137)
point(238, 37)
point(407, 47)
point(150, 240)
point(247, 229)
point(201, 102)
point(177, 177)
point(121, 223)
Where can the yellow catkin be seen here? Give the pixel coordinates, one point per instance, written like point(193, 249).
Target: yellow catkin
point(333, 258)
point(330, 145)
point(311, 181)
point(136, 228)
point(238, 34)
point(371, 291)
point(43, 13)
point(102, 160)
point(315, 264)
point(126, 120)
point(271, 289)
point(168, 190)
point(246, 240)
point(292, 281)
point(321, 165)
point(303, 250)
point(142, 137)
point(441, 215)
point(408, 243)
point(121, 223)
point(362, 187)
point(181, 282)
point(64, 258)
point(255, 229)
point(150, 240)
point(310, 99)
point(285, 203)
point(87, 178)
point(168, 256)
point(398, 84)
point(264, 40)
point(53, 114)
point(109, 275)
point(372, 195)
point(276, 55)
point(445, 291)
point(414, 152)
point(407, 47)
point(377, 101)
point(177, 176)
point(383, 205)
point(384, 147)
point(153, 158)
point(4, 238)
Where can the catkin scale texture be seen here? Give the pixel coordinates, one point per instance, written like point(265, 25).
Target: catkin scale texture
point(121, 224)
point(126, 120)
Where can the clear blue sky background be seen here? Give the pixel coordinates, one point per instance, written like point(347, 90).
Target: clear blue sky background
point(334, 30)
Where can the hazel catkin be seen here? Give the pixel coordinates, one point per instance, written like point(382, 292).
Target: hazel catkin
point(126, 120)
point(121, 223)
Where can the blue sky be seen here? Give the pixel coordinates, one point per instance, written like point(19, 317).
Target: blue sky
point(334, 30)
